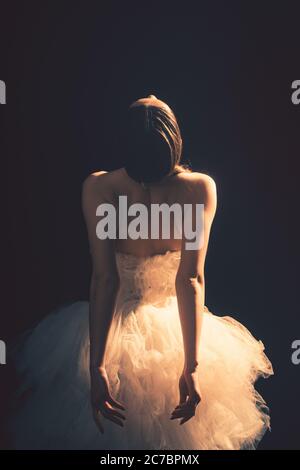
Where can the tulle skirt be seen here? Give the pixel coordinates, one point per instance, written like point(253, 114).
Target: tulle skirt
point(144, 363)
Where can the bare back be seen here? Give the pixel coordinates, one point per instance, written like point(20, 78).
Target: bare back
point(181, 189)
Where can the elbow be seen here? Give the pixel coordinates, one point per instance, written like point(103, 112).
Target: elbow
point(194, 281)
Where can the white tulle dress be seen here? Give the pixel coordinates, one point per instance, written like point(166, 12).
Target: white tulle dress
point(144, 362)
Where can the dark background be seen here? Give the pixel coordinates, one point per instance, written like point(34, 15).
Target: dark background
point(226, 68)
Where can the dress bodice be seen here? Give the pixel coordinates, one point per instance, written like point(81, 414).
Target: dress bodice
point(149, 278)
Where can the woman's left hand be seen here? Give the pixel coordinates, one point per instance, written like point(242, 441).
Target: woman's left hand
point(102, 401)
point(190, 397)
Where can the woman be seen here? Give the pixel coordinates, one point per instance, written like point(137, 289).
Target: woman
point(144, 358)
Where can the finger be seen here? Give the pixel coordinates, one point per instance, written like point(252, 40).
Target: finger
point(179, 406)
point(187, 410)
point(115, 412)
point(97, 420)
point(178, 410)
point(116, 403)
point(108, 415)
point(180, 414)
point(184, 420)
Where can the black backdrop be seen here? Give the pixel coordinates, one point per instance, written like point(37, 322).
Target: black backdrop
point(71, 69)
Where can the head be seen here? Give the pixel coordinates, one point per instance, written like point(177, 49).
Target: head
point(153, 143)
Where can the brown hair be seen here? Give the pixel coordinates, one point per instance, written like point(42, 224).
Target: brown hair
point(153, 143)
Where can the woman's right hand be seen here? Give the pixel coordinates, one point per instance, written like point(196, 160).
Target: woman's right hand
point(102, 401)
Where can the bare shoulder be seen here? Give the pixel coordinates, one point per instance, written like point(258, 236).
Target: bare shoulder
point(99, 185)
point(202, 186)
point(94, 181)
point(203, 180)
point(197, 178)
point(95, 189)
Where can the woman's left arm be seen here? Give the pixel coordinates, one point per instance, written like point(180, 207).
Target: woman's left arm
point(190, 290)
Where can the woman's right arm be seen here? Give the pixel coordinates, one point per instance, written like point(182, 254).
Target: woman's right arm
point(103, 292)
